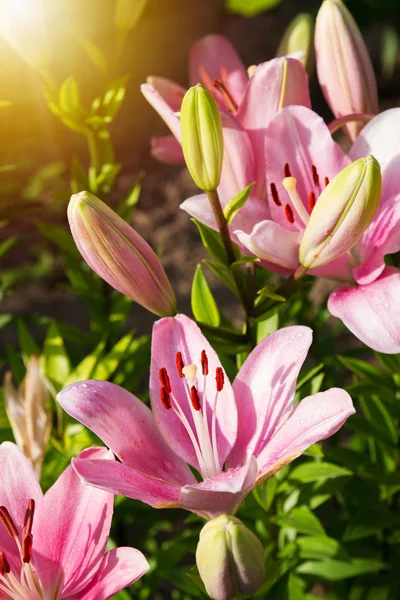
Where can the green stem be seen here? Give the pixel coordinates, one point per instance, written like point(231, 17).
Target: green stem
point(230, 253)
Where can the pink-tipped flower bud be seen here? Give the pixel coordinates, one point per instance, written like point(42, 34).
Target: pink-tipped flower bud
point(344, 67)
point(343, 212)
point(119, 255)
point(230, 559)
point(297, 40)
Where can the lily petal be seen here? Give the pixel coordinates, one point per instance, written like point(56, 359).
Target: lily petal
point(338, 270)
point(160, 105)
point(382, 237)
point(273, 243)
point(215, 55)
point(265, 388)
point(371, 311)
point(238, 168)
point(380, 137)
point(125, 481)
point(70, 543)
point(171, 92)
point(18, 484)
point(127, 426)
point(277, 83)
point(222, 494)
point(299, 137)
point(199, 208)
point(181, 334)
point(167, 150)
point(119, 568)
point(313, 419)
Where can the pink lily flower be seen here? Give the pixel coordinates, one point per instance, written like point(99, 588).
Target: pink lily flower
point(300, 144)
point(245, 108)
point(234, 436)
point(53, 544)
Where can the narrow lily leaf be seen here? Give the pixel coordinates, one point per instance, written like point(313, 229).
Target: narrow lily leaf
point(245, 260)
point(128, 204)
point(94, 54)
point(211, 241)
point(8, 244)
point(315, 471)
point(69, 99)
point(319, 547)
point(87, 366)
point(109, 363)
point(303, 521)
point(204, 307)
point(224, 275)
point(57, 365)
point(26, 341)
point(237, 202)
point(268, 292)
point(59, 236)
point(334, 570)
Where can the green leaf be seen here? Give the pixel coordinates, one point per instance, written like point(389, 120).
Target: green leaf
point(109, 363)
point(236, 203)
point(303, 521)
point(268, 292)
point(315, 471)
point(59, 236)
point(334, 570)
point(57, 365)
point(87, 366)
point(364, 370)
point(69, 99)
point(128, 204)
point(224, 275)
point(204, 307)
point(211, 241)
point(27, 343)
point(250, 8)
point(318, 547)
point(9, 244)
point(94, 54)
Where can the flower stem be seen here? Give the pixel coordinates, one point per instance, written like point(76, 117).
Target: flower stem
point(230, 253)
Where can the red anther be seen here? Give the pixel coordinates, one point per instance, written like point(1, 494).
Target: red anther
point(164, 379)
point(220, 86)
point(315, 175)
point(311, 201)
point(179, 364)
point(289, 213)
point(165, 399)
point(286, 170)
point(275, 195)
point(4, 564)
point(204, 362)
point(219, 378)
point(326, 181)
point(27, 548)
point(194, 396)
point(28, 520)
point(7, 521)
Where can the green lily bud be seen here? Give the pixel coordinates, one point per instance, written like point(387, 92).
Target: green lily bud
point(128, 13)
point(230, 559)
point(201, 138)
point(343, 212)
point(298, 37)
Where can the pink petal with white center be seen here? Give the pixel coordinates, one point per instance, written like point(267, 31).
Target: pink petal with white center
point(298, 137)
point(18, 483)
point(127, 426)
point(181, 334)
point(380, 137)
point(273, 243)
point(277, 83)
point(382, 237)
point(314, 419)
point(119, 568)
point(221, 494)
point(167, 150)
point(238, 168)
point(265, 388)
point(119, 479)
point(215, 55)
point(371, 311)
point(199, 208)
point(160, 105)
point(71, 529)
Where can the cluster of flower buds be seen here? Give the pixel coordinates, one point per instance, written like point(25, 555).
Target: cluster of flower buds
point(230, 559)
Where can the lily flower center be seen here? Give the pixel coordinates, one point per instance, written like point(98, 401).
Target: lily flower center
point(202, 436)
point(221, 86)
point(296, 203)
point(27, 587)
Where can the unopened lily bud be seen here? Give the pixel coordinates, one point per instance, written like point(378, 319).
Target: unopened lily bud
point(29, 413)
point(128, 13)
point(298, 38)
point(343, 212)
point(230, 559)
point(119, 255)
point(344, 67)
point(201, 138)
